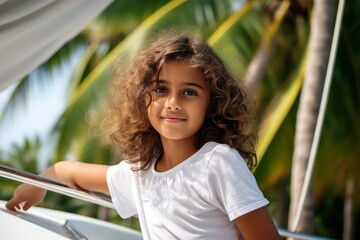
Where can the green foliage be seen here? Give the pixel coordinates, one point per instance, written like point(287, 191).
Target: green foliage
point(24, 157)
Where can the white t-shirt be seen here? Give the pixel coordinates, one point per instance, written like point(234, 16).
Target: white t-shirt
point(197, 199)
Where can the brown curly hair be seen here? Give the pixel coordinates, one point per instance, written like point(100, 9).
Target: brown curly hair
point(229, 119)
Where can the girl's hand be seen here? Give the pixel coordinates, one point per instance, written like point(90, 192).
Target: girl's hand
point(25, 196)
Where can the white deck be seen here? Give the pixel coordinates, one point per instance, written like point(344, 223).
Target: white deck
point(41, 223)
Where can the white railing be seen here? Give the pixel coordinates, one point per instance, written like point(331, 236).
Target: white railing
point(299, 236)
point(49, 184)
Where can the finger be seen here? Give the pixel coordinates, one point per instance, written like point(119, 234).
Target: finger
point(11, 205)
point(26, 206)
point(15, 204)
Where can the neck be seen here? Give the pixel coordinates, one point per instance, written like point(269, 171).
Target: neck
point(175, 152)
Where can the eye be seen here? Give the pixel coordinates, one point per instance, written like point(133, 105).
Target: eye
point(190, 93)
point(160, 89)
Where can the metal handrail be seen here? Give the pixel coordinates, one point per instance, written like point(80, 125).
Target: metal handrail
point(49, 184)
point(300, 236)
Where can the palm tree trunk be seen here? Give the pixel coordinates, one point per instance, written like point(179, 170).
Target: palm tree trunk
point(103, 213)
point(283, 202)
point(258, 65)
point(348, 210)
point(320, 44)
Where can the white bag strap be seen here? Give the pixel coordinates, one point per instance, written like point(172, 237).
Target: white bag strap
point(140, 207)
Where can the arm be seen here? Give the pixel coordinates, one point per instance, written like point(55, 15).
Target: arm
point(74, 174)
point(257, 225)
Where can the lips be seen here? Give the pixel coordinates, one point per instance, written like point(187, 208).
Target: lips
point(173, 119)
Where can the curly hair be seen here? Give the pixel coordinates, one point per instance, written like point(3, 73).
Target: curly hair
point(229, 119)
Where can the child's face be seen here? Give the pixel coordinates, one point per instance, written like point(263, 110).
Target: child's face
point(179, 102)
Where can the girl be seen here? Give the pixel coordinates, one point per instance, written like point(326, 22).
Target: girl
point(184, 125)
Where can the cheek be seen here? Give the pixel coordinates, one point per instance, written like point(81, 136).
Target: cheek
point(200, 115)
point(152, 110)
point(149, 112)
point(147, 100)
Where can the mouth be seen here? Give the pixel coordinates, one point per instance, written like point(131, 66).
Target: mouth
point(173, 119)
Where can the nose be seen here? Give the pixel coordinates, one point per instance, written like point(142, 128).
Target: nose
point(172, 103)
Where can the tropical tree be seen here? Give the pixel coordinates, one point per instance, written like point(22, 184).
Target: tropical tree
point(341, 118)
point(307, 115)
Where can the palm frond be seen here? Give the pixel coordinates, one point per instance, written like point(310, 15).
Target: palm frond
point(235, 40)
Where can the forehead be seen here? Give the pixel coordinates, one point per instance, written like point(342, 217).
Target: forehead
point(180, 70)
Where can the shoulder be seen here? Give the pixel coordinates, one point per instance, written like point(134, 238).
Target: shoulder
point(230, 183)
point(222, 155)
point(122, 165)
point(225, 165)
point(121, 170)
point(218, 148)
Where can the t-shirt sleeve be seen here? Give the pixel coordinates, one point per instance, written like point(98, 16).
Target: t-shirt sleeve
point(120, 182)
point(232, 187)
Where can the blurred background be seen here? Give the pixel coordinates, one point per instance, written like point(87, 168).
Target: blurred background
point(279, 48)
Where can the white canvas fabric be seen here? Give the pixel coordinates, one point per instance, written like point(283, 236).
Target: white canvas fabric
point(33, 30)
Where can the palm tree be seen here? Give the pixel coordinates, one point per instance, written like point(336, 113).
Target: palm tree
point(320, 44)
point(343, 112)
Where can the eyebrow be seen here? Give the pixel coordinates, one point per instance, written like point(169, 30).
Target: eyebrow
point(186, 83)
